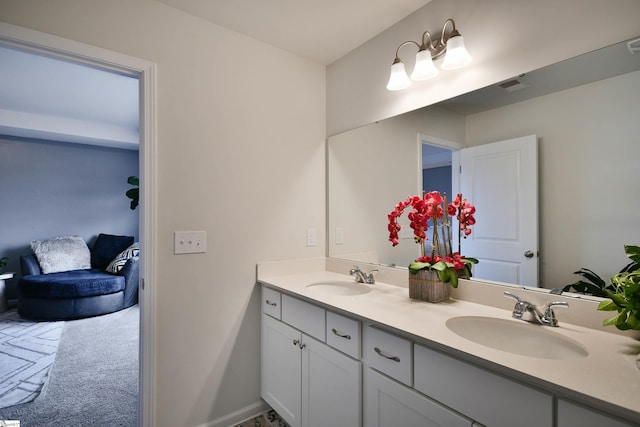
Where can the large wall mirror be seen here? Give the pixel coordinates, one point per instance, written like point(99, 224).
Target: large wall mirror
point(585, 113)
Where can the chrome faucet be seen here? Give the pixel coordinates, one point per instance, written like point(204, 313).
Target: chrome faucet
point(524, 310)
point(362, 277)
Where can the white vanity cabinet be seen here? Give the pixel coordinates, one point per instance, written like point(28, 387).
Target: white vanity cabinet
point(324, 367)
point(306, 381)
point(573, 415)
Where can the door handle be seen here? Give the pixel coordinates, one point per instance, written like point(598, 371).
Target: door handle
point(528, 254)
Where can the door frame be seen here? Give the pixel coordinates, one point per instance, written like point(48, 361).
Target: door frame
point(35, 41)
point(453, 146)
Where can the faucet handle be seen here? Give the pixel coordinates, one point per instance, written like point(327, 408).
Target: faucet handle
point(520, 307)
point(514, 296)
point(369, 277)
point(549, 316)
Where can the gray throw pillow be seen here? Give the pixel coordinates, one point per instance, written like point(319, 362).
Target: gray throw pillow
point(62, 254)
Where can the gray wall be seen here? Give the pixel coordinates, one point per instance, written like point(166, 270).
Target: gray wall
point(50, 189)
point(438, 179)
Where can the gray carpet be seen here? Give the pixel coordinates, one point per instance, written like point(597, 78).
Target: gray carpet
point(27, 351)
point(94, 379)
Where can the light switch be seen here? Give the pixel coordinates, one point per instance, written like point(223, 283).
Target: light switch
point(189, 242)
point(311, 237)
point(339, 236)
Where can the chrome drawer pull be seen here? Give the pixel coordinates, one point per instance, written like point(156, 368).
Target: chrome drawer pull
point(394, 358)
point(271, 303)
point(340, 335)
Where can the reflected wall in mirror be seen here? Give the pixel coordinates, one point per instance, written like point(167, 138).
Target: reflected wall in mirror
point(585, 113)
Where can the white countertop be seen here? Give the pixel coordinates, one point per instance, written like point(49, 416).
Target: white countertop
point(607, 378)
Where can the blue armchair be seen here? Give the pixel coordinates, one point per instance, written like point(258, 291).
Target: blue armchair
point(80, 293)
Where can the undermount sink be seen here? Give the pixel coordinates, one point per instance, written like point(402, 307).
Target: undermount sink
point(517, 337)
point(340, 287)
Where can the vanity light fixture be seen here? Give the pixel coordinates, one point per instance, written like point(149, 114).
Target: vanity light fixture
point(450, 44)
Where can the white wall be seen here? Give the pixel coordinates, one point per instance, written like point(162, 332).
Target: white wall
point(505, 38)
point(240, 155)
point(588, 172)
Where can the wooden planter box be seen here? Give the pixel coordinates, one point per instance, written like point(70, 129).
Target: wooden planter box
point(426, 286)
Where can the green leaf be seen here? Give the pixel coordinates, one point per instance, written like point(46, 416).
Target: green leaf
point(617, 320)
point(607, 305)
point(453, 278)
point(414, 267)
point(633, 321)
point(133, 180)
point(591, 276)
point(633, 252)
point(618, 299)
point(441, 265)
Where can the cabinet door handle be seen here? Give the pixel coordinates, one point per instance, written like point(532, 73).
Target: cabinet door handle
point(296, 342)
point(271, 303)
point(345, 336)
point(394, 358)
point(302, 345)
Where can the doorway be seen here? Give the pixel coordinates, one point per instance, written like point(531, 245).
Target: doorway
point(79, 53)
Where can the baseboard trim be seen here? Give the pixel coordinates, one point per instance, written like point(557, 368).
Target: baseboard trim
point(242, 414)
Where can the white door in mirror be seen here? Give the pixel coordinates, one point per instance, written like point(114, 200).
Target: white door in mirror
point(501, 181)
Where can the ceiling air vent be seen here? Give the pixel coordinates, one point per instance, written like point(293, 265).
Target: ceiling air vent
point(512, 85)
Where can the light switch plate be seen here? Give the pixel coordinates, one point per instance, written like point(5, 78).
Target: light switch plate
point(189, 242)
point(339, 236)
point(311, 237)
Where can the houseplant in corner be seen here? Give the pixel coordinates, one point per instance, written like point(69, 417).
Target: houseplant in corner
point(625, 297)
point(133, 193)
point(432, 275)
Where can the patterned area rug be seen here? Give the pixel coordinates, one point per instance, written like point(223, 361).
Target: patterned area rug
point(27, 351)
point(268, 419)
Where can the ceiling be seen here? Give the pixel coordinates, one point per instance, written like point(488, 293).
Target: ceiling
point(320, 30)
point(52, 99)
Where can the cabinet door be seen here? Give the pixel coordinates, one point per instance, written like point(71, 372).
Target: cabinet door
point(281, 369)
point(331, 392)
point(573, 415)
point(390, 404)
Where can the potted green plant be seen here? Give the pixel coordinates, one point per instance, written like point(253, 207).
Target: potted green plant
point(625, 295)
point(133, 193)
point(595, 285)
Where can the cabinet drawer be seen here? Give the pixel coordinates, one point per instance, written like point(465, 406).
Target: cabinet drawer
point(389, 354)
point(343, 334)
point(488, 398)
point(304, 316)
point(271, 302)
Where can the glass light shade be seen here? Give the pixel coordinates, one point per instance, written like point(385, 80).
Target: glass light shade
point(457, 55)
point(424, 68)
point(398, 78)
